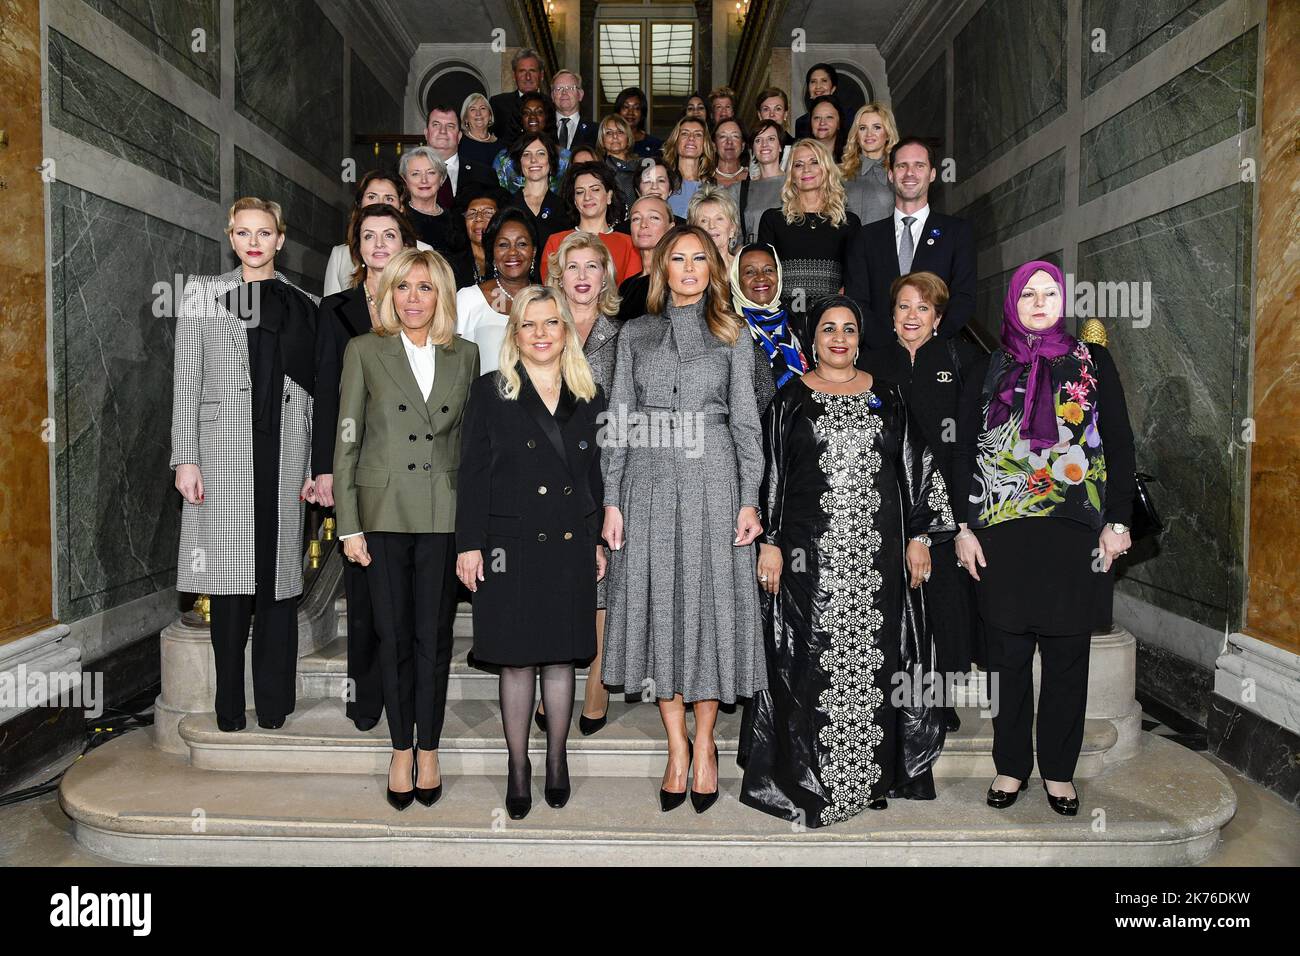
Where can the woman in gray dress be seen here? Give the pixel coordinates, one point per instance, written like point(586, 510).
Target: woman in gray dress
point(683, 463)
point(866, 157)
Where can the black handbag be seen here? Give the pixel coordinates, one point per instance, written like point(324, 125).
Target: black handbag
point(1146, 522)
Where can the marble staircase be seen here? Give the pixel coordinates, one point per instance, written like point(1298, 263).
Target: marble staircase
point(312, 792)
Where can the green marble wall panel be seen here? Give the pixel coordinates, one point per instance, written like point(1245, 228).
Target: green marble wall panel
point(289, 77)
point(1203, 105)
point(1030, 197)
point(117, 514)
point(1185, 379)
point(310, 219)
point(98, 104)
point(373, 109)
point(167, 28)
point(1130, 31)
point(1009, 73)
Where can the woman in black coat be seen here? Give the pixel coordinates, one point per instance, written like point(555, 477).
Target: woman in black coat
point(382, 232)
point(528, 528)
point(930, 371)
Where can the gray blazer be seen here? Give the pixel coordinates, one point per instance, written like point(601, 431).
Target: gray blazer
point(601, 348)
point(212, 427)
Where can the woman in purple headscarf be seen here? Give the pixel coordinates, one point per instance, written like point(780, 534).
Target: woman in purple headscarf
point(1043, 435)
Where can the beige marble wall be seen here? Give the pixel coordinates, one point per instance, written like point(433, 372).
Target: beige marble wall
point(26, 600)
point(1273, 595)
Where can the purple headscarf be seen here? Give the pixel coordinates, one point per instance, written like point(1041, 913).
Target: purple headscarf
point(1031, 349)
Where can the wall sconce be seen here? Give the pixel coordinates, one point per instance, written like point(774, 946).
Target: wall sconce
point(742, 12)
point(550, 13)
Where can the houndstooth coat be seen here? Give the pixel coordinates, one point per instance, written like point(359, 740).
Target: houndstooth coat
point(212, 427)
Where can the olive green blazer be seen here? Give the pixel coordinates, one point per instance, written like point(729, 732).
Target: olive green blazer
point(396, 455)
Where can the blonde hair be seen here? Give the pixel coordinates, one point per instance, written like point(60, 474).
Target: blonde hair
point(834, 203)
point(724, 324)
point(270, 207)
point(442, 330)
point(609, 300)
point(709, 193)
point(574, 370)
point(471, 100)
point(614, 119)
point(708, 161)
point(851, 164)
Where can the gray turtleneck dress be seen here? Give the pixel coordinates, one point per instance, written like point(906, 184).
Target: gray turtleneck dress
point(683, 611)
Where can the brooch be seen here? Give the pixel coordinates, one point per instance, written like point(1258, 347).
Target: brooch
point(873, 400)
point(943, 376)
point(582, 445)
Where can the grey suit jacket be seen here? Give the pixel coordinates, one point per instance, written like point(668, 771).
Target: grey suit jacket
point(212, 427)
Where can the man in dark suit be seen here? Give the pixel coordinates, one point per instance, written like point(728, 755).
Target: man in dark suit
point(527, 67)
point(913, 239)
point(571, 129)
point(442, 134)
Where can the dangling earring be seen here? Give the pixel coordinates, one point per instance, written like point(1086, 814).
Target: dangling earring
point(856, 353)
point(731, 244)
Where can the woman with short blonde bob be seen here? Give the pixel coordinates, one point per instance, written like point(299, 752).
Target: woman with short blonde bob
point(478, 144)
point(530, 498)
point(684, 461)
point(714, 210)
point(812, 228)
point(401, 404)
point(616, 149)
point(872, 135)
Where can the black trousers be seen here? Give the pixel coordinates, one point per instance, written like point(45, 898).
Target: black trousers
point(407, 577)
point(1062, 701)
point(275, 623)
point(366, 699)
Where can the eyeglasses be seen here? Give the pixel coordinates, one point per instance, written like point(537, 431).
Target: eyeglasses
point(473, 214)
point(566, 88)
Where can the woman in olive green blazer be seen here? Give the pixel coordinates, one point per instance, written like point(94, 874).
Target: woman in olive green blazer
point(401, 403)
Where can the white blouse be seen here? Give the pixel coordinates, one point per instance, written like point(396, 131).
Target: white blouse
point(483, 325)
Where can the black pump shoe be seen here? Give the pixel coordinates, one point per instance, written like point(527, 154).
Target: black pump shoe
point(589, 725)
point(518, 807)
point(401, 800)
point(1001, 799)
point(1065, 806)
point(557, 797)
point(880, 803)
point(702, 801)
point(428, 796)
point(669, 800)
point(951, 722)
point(230, 726)
point(540, 720)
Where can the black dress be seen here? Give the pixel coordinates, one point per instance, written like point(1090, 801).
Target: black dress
point(932, 389)
point(812, 253)
point(445, 232)
point(529, 498)
point(848, 480)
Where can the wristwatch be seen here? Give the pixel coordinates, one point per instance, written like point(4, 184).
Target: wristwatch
point(924, 539)
point(1118, 528)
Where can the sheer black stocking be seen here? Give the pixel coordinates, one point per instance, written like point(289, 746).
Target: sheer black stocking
point(516, 688)
point(557, 695)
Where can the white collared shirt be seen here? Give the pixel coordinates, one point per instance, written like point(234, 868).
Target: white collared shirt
point(918, 227)
point(453, 171)
point(421, 359)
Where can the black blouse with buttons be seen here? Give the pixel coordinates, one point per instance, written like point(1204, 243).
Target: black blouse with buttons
point(528, 498)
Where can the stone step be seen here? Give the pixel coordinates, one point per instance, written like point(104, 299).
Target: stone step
point(132, 802)
point(318, 738)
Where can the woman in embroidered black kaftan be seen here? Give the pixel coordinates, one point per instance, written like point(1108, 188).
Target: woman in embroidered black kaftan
point(848, 482)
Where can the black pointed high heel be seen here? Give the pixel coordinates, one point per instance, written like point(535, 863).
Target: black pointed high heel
point(557, 797)
point(518, 807)
point(702, 801)
point(540, 720)
point(669, 800)
point(400, 800)
point(589, 725)
point(1001, 799)
point(1065, 806)
point(428, 796)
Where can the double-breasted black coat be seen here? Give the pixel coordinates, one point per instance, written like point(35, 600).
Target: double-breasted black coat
point(530, 501)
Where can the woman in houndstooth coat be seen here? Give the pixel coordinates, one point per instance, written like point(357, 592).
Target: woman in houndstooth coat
point(241, 439)
point(681, 509)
